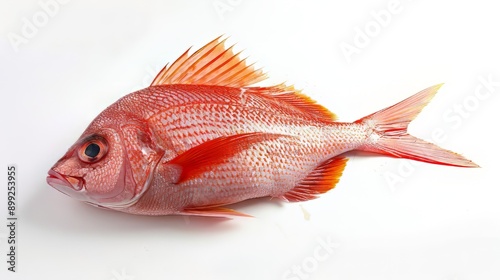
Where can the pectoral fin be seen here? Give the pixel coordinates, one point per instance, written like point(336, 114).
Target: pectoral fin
point(205, 156)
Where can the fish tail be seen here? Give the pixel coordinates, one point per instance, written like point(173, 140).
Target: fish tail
point(387, 133)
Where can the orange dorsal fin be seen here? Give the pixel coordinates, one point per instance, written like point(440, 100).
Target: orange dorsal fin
point(295, 98)
point(213, 64)
point(322, 179)
point(214, 211)
point(203, 157)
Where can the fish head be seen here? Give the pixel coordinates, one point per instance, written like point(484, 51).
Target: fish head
point(107, 167)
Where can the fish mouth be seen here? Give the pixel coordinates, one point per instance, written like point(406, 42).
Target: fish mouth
point(74, 187)
point(63, 182)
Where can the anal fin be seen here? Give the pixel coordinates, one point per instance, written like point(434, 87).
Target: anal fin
point(322, 179)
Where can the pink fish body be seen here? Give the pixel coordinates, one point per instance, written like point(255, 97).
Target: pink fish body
point(201, 137)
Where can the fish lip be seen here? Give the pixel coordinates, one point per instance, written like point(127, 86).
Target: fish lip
point(56, 179)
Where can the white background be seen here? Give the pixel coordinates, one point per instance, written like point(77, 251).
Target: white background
point(388, 218)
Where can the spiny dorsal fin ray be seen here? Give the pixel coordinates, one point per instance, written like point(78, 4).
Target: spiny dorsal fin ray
point(212, 64)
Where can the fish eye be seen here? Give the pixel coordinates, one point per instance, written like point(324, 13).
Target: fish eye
point(93, 149)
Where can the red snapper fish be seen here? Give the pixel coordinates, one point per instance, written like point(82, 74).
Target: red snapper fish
point(201, 137)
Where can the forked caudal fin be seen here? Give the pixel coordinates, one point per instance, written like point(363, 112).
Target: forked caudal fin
point(388, 134)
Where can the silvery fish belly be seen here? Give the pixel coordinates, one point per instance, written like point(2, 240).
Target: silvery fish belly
point(202, 137)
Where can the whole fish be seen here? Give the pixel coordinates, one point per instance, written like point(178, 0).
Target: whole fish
point(201, 137)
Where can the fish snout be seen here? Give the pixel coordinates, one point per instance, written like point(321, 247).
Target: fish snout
point(63, 182)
